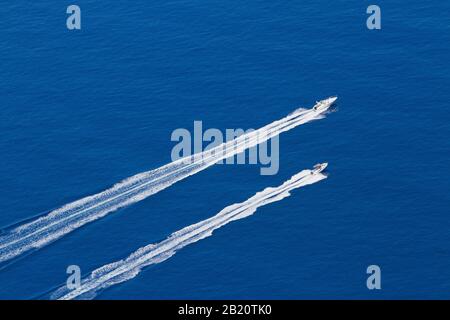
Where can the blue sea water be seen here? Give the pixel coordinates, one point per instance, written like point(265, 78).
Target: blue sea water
point(82, 110)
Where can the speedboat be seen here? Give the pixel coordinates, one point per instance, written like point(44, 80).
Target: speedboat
point(318, 168)
point(324, 105)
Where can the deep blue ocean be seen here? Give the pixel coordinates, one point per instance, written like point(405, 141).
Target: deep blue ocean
point(82, 110)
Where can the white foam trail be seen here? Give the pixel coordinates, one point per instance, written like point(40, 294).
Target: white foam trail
point(44, 230)
point(128, 268)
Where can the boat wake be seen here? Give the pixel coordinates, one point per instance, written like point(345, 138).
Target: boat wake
point(128, 268)
point(59, 222)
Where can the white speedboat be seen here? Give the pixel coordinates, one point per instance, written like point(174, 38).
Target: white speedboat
point(318, 168)
point(324, 105)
